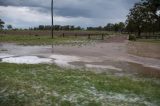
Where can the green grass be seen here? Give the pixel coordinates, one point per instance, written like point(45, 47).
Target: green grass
point(50, 85)
point(42, 40)
point(46, 40)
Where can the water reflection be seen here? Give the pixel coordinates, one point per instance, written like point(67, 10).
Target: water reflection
point(52, 50)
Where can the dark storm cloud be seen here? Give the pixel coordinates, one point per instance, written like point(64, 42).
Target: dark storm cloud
point(72, 12)
point(30, 3)
point(75, 12)
point(75, 8)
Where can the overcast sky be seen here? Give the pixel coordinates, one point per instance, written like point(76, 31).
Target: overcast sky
point(26, 13)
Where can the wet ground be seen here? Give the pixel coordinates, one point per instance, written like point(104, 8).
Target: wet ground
point(114, 56)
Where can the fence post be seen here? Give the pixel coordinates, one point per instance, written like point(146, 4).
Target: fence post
point(76, 35)
point(63, 35)
point(102, 36)
point(89, 36)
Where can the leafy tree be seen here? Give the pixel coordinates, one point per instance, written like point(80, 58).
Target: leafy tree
point(116, 27)
point(109, 27)
point(121, 26)
point(78, 28)
point(153, 6)
point(1, 24)
point(41, 27)
point(143, 17)
point(137, 17)
point(9, 27)
point(72, 27)
point(130, 26)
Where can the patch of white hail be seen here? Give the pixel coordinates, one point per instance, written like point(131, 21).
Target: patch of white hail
point(64, 60)
point(105, 98)
point(26, 60)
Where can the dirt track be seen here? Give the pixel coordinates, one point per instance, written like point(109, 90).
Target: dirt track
point(150, 50)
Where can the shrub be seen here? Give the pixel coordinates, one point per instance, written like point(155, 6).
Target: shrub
point(132, 37)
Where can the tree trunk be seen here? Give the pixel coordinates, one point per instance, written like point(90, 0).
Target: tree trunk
point(139, 33)
point(153, 30)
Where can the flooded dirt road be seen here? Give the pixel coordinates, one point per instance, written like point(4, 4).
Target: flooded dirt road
point(115, 57)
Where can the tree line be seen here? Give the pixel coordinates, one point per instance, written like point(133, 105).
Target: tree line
point(109, 27)
point(56, 27)
point(117, 27)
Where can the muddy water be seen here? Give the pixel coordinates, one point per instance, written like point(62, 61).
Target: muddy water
point(151, 50)
point(120, 57)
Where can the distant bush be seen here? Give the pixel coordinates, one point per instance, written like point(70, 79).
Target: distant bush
point(132, 37)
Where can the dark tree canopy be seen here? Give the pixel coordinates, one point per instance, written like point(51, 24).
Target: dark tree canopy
point(9, 27)
point(143, 17)
point(117, 27)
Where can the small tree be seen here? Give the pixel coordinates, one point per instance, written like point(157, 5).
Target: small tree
point(130, 28)
point(116, 27)
point(109, 27)
point(9, 27)
point(121, 26)
point(41, 27)
point(1, 24)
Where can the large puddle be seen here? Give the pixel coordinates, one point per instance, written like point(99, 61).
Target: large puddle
point(117, 57)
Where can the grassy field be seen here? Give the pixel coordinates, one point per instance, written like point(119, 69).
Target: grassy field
point(70, 38)
point(48, 32)
point(44, 37)
point(50, 85)
point(42, 40)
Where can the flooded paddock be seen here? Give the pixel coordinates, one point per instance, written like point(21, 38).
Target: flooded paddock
point(118, 57)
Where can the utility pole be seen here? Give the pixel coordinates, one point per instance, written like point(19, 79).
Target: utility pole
point(52, 17)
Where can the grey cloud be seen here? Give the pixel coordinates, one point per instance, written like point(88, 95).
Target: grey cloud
point(76, 8)
point(98, 11)
point(72, 12)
